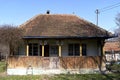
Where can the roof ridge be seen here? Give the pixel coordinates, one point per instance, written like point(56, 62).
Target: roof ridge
point(34, 17)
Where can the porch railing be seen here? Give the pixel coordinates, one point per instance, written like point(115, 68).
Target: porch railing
point(54, 62)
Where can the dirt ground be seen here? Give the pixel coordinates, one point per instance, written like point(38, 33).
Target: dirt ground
point(3, 74)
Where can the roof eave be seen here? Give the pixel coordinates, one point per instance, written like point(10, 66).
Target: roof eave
point(67, 37)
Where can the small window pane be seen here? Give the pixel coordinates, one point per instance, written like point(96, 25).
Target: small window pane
point(84, 50)
point(30, 49)
point(77, 49)
point(40, 50)
point(70, 49)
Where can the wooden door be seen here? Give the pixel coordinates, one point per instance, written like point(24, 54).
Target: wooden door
point(46, 51)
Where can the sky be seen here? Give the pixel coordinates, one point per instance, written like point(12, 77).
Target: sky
point(16, 12)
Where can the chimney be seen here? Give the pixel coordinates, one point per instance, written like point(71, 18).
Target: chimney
point(48, 12)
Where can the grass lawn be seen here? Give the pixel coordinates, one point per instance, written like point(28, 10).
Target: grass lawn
point(64, 77)
point(58, 77)
point(2, 66)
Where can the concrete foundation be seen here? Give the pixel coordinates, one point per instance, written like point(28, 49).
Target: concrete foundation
point(23, 71)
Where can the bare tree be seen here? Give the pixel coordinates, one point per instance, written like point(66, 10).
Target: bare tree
point(117, 31)
point(3, 51)
point(118, 20)
point(11, 36)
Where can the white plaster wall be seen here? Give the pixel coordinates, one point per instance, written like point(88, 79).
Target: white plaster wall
point(65, 49)
point(111, 57)
point(36, 71)
point(92, 48)
point(22, 50)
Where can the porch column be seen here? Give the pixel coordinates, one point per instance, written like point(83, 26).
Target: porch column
point(102, 61)
point(102, 48)
point(43, 48)
point(103, 57)
point(27, 50)
point(80, 49)
point(59, 50)
point(103, 51)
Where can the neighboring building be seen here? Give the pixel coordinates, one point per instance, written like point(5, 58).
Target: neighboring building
point(112, 50)
point(58, 43)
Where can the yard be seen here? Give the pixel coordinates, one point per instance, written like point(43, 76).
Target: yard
point(64, 77)
point(112, 76)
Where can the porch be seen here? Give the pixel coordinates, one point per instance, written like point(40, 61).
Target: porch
point(61, 47)
point(52, 56)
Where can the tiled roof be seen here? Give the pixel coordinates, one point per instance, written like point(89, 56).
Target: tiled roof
point(55, 25)
point(112, 46)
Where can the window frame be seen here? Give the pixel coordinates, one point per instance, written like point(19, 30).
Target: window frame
point(74, 49)
point(34, 49)
point(84, 49)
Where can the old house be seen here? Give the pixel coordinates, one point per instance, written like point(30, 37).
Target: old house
point(59, 43)
point(112, 50)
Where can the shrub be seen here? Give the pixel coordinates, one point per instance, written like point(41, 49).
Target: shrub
point(113, 67)
point(2, 66)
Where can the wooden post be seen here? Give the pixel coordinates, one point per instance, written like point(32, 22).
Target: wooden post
point(102, 61)
point(59, 50)
point(43, 48)
point(27, 51)
point(80, 50)
point(102, 48)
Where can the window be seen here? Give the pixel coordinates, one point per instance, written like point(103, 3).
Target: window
point(73, 49)
point(70, 49)
point(46, 51)
point(33, 49)
point(84, 50)
point(77, 49)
